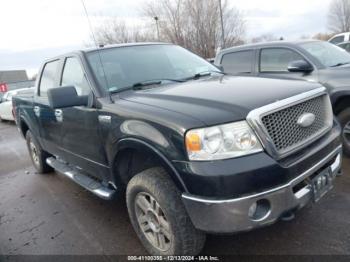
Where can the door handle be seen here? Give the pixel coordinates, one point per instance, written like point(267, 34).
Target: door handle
point(36, 110)
point(58, 113)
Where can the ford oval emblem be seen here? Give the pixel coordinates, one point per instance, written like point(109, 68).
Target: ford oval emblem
point(306, 119)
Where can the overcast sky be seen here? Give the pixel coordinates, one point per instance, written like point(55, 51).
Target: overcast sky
point(33, 30)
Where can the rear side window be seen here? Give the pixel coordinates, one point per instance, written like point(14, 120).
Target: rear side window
point(73, 75)
point(277, 59)
point(48, 77)
point(238, 62)
point(338, 40)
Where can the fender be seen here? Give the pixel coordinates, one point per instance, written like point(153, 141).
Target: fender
point(134, 143)
point(23, 117)
point(336, 96)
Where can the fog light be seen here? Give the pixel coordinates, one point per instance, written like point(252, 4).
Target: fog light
point(259, 210)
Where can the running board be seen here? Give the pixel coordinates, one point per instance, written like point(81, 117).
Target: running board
point(81, 179)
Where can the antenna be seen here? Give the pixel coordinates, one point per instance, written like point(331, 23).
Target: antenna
point(98, 46)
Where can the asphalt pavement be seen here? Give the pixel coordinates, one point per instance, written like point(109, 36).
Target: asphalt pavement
point(51, 215)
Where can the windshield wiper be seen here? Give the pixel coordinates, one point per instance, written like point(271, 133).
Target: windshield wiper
point(140, 85)
point(340, 64)
point(202, 74)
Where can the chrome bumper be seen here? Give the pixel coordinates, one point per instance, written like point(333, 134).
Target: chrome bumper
point(232, 215)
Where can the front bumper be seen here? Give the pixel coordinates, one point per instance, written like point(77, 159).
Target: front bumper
point(232, 215)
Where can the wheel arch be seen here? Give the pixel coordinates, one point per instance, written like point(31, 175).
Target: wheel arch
point(23, 126)
point(340, 100)
point(132, 155)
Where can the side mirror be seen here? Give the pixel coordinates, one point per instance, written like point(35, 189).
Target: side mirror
point(300, 66)
point(67, 96)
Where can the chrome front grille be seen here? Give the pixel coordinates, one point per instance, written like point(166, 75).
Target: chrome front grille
point(283, 128)
point(277, 124)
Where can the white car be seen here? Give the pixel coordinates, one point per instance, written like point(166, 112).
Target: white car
point(340, 38)
point(6, 105)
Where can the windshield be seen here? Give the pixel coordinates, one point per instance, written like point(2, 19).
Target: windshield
point(126, 66)
point(328, 54)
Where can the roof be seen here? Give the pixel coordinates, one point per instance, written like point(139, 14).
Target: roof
point(267, 44)
point(122, 45)
point(13, 76)
point(92, 49)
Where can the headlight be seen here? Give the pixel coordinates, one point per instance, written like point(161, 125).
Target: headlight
point(222, 142)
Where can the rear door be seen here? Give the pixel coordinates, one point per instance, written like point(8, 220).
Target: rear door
point(80, 131)
point(274, 61)
point(50, 126)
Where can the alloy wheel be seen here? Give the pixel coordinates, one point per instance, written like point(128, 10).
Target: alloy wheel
point(34, 153)
point(346, 133)
point(152, 221)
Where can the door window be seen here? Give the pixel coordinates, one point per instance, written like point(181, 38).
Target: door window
point(48, 77)
point(277, 59)
point(73, 75)
point(337, 40)
point(238, 62)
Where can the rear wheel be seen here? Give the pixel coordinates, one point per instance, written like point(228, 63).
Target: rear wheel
point(159, 216)
point(37, 155)
point(344, 119)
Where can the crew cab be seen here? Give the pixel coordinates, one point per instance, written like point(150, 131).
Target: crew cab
point(195, 151)
point(309, 60)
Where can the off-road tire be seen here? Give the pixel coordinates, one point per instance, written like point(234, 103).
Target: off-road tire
point(186, 239)
point(344, 119)
point(40, 160)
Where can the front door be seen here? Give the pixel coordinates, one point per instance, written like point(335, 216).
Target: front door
point(80, 131)
point(273, 62)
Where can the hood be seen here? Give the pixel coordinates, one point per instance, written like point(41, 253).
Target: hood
point(219, 99)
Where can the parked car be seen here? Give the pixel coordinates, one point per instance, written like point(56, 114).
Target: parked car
point(315, 61)
point(194, 151)
point(10, 86)
point(340, 38)
point(6, 105)
point(345, 46)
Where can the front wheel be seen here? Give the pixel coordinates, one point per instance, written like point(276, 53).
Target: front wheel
point(159, 216)
point(37, 154)
point(344, 119)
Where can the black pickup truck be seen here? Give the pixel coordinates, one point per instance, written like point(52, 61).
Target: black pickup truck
point(195, 151)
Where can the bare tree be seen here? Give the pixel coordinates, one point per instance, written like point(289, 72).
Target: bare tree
point(171, 15)
point(339, 16)
point(115, 31)
point(323, 36)
point(265, 38)
point(195, 24)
